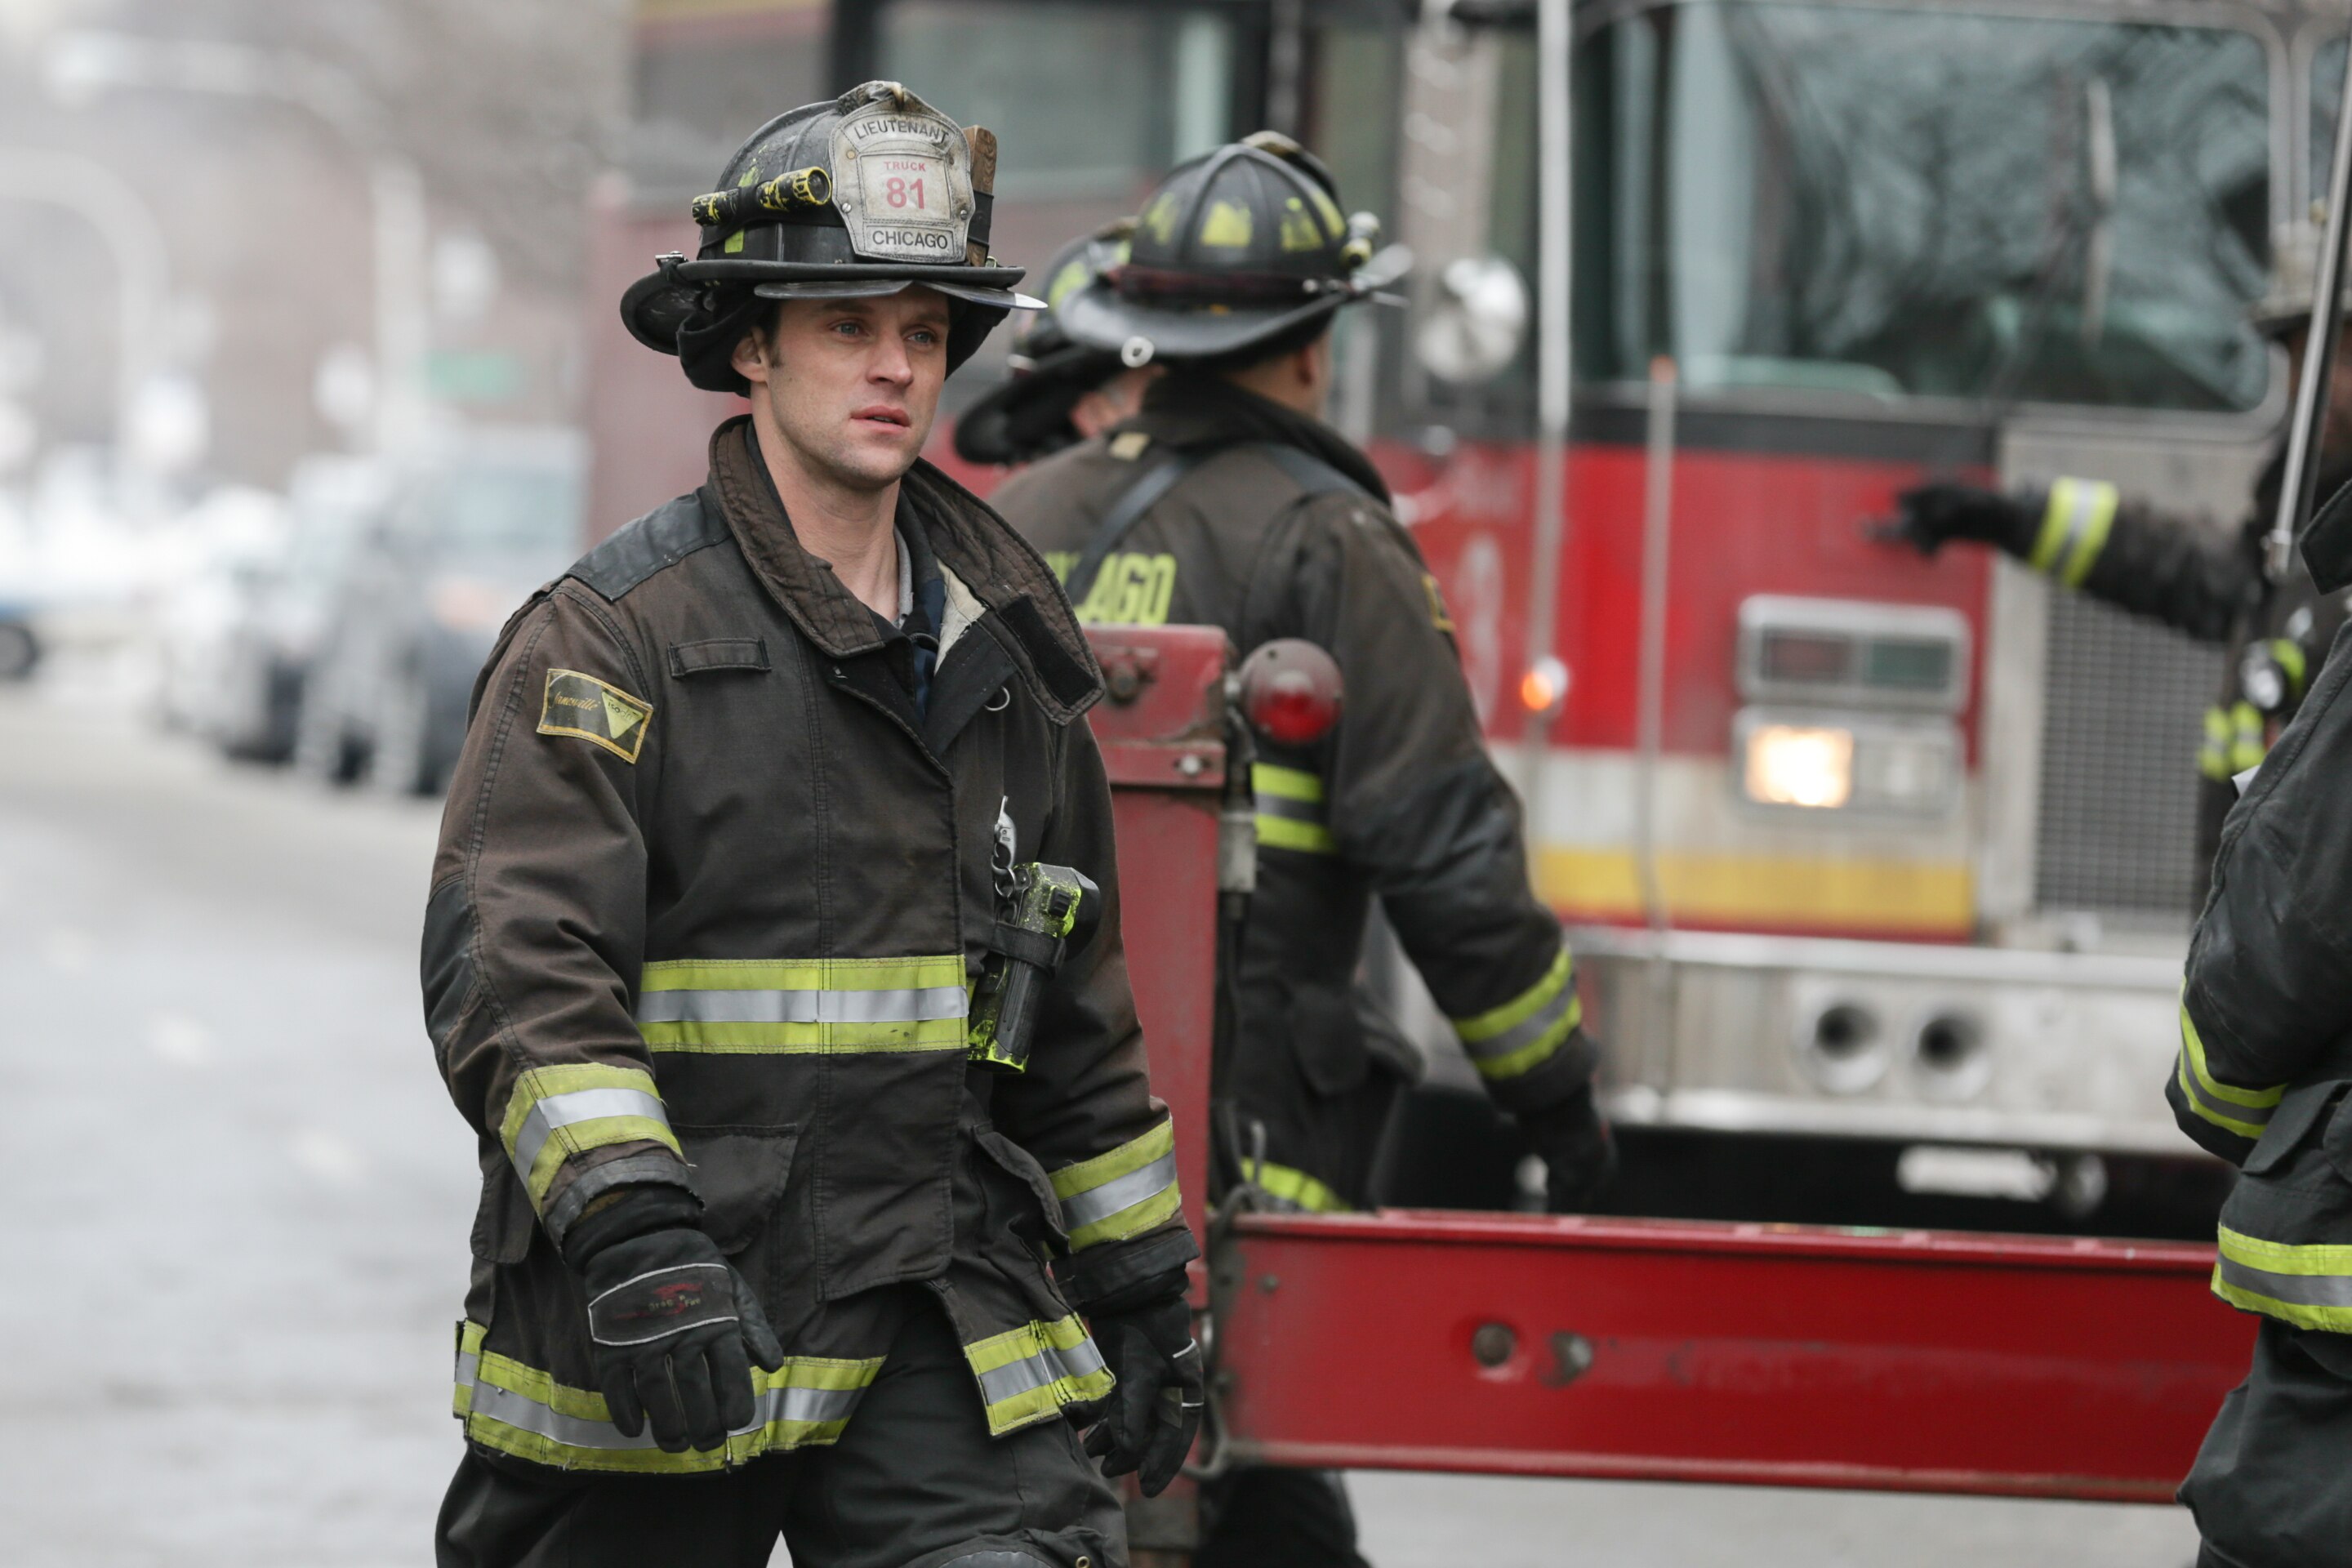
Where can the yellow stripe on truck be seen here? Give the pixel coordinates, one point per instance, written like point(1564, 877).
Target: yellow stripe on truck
point(1908, 898)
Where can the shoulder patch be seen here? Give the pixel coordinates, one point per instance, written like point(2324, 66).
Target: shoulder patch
point(596, 710)
point(1129, 444)
point(1438, 616)
point(662, 538)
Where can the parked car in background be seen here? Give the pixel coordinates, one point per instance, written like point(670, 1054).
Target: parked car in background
point(20, 646)
point(272, 648)
point(214, 560)
point(470, 529)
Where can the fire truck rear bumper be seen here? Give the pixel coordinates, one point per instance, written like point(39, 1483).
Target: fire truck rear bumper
point(1745, 1033)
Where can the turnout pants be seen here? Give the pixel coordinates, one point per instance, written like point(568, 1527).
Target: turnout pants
point(2272, 1484)
point(915, 1482)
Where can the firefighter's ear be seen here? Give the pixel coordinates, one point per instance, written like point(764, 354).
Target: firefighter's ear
point(754, 354)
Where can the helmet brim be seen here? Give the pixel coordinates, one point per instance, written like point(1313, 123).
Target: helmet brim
point(1027, 416)
point(1098, 317)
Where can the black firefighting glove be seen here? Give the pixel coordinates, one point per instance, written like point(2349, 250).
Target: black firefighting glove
point(674, 1328)
point(1148, 1421)
point(1579, 1152)
point(1933, 514)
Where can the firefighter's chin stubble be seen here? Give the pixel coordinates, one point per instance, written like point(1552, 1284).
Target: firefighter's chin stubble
point(851, 385)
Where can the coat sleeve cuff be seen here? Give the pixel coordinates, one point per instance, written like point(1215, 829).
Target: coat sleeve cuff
point(650, 1168)
point(1115, 1271)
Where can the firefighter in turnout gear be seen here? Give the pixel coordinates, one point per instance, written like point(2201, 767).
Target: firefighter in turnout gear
point(2264, 1081)
point(2086, 536)
point(1226, 501)
point(762, 1249)
point(1060, 392)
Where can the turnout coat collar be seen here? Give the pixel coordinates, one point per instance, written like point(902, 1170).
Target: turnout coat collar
point(1032, 619)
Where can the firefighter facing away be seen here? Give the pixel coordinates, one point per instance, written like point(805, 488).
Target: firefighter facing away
point(1228, 502)
point(2174, 569)
point(750, 802)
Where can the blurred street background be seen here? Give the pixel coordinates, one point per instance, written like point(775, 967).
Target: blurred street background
point(309, 372)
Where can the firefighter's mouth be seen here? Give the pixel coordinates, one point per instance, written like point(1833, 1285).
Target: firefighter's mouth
point(880, 414)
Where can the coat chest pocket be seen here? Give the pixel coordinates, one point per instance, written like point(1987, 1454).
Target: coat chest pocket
point(739, 1173)
point(715, 655)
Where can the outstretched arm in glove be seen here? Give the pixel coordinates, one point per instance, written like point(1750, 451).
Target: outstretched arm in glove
point(2082, 534)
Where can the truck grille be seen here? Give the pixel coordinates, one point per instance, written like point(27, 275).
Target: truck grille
point(2124, 705)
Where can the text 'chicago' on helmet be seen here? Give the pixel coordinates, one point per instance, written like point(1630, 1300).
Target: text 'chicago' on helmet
point(866, 195)
point(1234, 249)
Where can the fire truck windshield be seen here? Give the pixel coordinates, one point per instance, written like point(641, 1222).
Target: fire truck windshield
point(1890, 204)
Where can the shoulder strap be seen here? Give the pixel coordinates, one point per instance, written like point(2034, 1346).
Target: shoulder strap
point(1142, 494)
point(1311, 473)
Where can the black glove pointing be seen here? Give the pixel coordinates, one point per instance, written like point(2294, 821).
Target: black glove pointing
point(676, 1332)
point(1934, 514)
point(1152, 1417)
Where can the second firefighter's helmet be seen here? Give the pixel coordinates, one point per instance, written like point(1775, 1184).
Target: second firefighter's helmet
point(1028, 415)
point(1234, 250)
point(870, 193)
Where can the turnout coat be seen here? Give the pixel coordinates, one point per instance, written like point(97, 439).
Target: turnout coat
point(1269, 524)
point(709, 896)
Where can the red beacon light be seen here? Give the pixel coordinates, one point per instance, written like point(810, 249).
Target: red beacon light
point(1290, 691)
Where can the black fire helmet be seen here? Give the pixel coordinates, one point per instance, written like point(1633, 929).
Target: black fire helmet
point(866, 195)
point(1028, 417)
point(1234, 249)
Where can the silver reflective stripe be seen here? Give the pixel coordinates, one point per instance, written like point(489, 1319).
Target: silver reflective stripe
point(2256, 1116)
point(528, 1414)
point(1048, 1367)
point(469, 1366)
point(581, 1105)
point(1119, 1192)
point(810, 1405)
point(1296, 810)
point(2082, 499)
point(1532, 1027)
point(2296, 1289)
point(904, 1006)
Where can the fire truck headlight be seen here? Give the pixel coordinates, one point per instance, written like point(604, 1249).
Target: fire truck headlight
point(1885, 763)
point(1788, 764)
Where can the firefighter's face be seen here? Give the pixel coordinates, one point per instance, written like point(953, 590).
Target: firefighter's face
point(851, 385)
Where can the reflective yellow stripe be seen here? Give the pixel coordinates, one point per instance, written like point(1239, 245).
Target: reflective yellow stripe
point(1527, 1030)
point(1290, 784)
point(1295, 1189)
point(2291, 662)
point(2247, 743)
point(804, 1006)
point(1306, 837)
point(2213, 753)
point(2308, 1286)
point(1290, 810)
point(2075, 527)
point(556, 1112)
point(1123, 1193)
point(520, 1410)
point(2244, 1111)
point(1028, 1374)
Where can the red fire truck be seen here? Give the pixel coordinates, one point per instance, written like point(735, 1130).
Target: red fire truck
point(1891, 856)
point(1887, 855)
